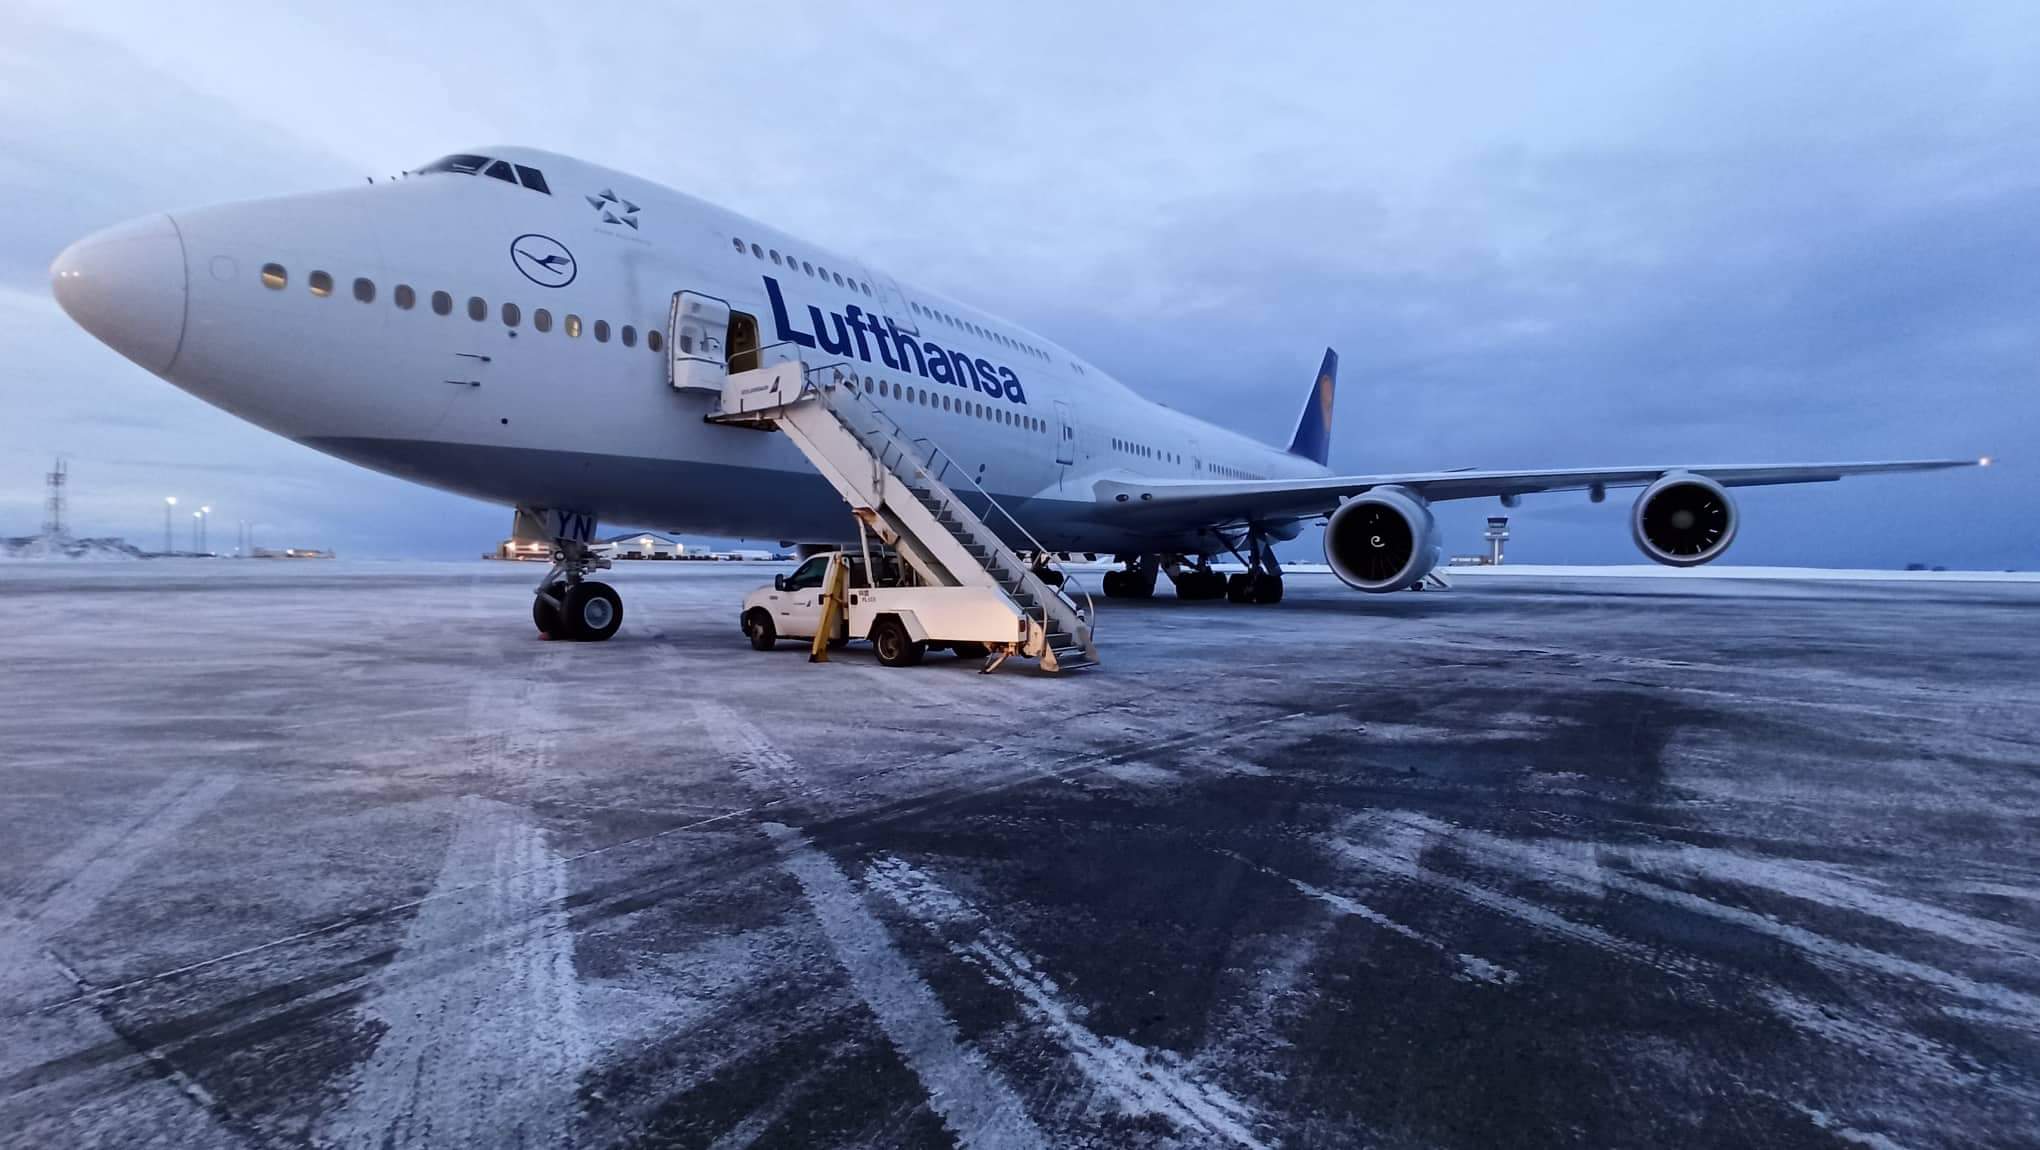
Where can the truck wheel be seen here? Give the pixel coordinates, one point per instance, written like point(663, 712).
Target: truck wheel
point(968, 650)
point(895, 647)
point(759, 629)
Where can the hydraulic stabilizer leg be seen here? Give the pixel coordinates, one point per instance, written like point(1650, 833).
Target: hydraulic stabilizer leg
point(566, 604)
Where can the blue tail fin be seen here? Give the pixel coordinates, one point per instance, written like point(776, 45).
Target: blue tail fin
point(1313, 438)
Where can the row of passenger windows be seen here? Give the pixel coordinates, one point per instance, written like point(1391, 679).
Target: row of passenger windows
point(1145, 452)
point(320, 284)
point(791, 263)
point(941, 401)
point(980, 331)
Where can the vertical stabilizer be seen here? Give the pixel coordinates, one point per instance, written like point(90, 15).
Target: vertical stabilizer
point(1313, 438)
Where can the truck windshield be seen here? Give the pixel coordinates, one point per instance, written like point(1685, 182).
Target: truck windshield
point(808, 574)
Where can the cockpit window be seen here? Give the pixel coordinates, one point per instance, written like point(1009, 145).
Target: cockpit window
point(503, 170)
point(465, 165)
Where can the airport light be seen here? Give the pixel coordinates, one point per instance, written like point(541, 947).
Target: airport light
point(169, 505)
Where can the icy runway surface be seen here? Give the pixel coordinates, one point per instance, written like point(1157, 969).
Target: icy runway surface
point(344, 855)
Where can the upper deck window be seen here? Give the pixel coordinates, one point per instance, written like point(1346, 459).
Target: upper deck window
point(465, 165)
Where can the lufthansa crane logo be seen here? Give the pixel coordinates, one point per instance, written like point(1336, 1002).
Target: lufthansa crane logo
point(544, 260)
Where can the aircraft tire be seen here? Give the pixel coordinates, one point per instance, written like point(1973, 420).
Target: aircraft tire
point(1200, 585)
point(1239, 588)
point(1267, 590)
point(759, 630)
point(1114, 584)
point(592, 612)
point(546, 617)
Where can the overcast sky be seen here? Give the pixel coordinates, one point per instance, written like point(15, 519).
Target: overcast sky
point(1539, 235)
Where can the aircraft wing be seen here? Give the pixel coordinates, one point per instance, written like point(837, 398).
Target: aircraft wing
point(1228, 501)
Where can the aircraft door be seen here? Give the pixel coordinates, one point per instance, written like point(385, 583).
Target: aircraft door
point(896, 307)
point(696, 329)
point(1066, 434)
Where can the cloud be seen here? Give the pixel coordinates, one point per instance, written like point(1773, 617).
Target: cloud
point(1560, 235)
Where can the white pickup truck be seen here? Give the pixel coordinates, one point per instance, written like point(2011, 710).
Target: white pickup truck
point(902, 618)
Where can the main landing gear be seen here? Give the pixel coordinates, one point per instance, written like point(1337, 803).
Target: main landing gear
point(567, 605)
point(1261, 582)
point(1194, 581)
point(1137, 581)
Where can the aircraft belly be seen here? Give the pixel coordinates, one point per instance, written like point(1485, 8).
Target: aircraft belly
point(707, 497)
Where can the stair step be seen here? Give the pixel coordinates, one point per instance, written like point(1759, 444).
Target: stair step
point(1072, 659)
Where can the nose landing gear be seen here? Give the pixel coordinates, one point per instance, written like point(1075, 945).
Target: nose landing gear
point(568, 605)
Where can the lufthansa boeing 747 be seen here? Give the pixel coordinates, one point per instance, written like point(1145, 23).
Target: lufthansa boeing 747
point(519, 326)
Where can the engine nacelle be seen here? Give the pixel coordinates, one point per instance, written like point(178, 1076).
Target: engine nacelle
point(1384, 540)
point(1683, 520)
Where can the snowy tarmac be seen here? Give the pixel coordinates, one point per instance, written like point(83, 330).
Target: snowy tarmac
point(344, 855)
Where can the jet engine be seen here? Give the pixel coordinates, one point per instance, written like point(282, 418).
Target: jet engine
point(1384, 540)
point(1683, 520)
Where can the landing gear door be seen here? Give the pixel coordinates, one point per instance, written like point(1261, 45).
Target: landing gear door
point(1065, 434)
point(696, 329)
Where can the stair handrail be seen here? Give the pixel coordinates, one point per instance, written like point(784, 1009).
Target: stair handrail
point(897, 437)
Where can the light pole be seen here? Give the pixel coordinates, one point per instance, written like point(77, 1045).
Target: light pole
point(169, 505)
point(202, 513)
point(197, 517)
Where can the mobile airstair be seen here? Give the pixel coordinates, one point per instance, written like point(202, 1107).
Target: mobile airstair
point(917, 499)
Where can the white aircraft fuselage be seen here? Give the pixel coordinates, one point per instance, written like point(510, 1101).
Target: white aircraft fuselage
point(504, 342)
point(496, 324)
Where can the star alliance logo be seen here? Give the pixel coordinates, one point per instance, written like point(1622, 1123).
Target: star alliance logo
point(614, 209)
point(544, 260)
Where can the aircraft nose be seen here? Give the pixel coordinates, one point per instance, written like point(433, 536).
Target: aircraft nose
point(126, 286)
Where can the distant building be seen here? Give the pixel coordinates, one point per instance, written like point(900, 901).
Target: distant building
point(641, 545)
point(289, 553)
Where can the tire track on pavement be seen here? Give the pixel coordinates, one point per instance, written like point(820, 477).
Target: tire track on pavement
point(64, 892)
point(973, 1099)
